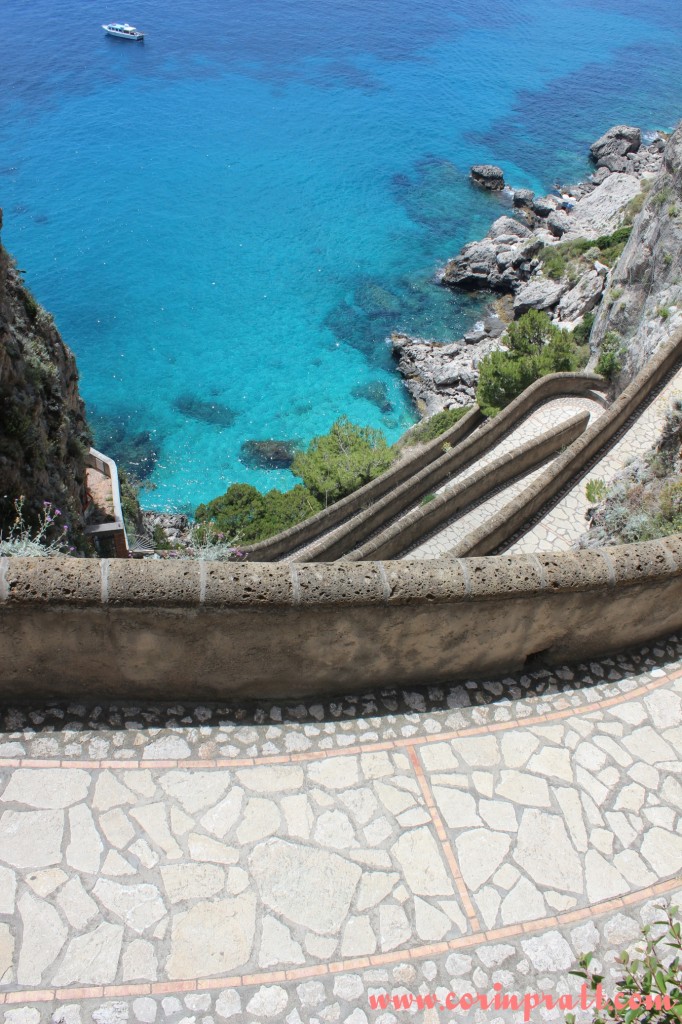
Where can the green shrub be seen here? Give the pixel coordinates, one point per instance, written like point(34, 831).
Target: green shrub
point(30, 305)
point(536, 347)
point(130, 504)
point(436, 425)
point(245, 516)
point(611, 356)
point(663, 312)
point(427, 499)
point(636, 204)
point(660, 198)
point(595, 490)
point(561, 259)
point(337, 463)
point(581, 333)
point(651, 978)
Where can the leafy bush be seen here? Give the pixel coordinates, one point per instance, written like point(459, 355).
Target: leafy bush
point(536, 347)
point(130, 504)
point(245, 515)
point(611, 356)
point(436, 425)
point(339, 462)
point(595, 490)
point(558, 260)
point(651, 982)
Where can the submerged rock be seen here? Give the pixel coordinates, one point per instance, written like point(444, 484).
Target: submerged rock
point(375, 392)
point(488, 176)
point(268, 454)
point(207, 412)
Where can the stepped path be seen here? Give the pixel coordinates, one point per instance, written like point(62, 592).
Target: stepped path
point(549, 415)
point(560, 528)
point(286, 862)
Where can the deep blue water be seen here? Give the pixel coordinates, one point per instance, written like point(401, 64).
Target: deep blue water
point(228, 219)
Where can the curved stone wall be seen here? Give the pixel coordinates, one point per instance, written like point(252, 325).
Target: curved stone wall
point(404, 483)
point(158, 629)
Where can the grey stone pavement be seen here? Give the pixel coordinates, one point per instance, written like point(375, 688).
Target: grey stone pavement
point(563, 525)
point(285, 862)
point(550, 414)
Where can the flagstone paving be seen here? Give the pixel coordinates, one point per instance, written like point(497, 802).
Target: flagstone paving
point(281, 862)
point(562, 526)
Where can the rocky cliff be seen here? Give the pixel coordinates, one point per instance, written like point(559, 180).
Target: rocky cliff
point(643, 300)
point(43, 432)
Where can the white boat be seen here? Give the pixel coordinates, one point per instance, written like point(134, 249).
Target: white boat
point(125, 31)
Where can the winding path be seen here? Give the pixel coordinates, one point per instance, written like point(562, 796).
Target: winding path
point(562, 526)
point(548, 415)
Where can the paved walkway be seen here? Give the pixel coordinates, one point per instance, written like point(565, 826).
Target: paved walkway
point(283, 862)
point(563, 525)
point(547, 416)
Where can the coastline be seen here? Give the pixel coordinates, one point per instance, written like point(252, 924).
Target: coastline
point(505, 265)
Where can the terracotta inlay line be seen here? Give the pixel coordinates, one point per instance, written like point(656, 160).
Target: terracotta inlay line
point(448, 852)
point(368, 748)
point(340, 966)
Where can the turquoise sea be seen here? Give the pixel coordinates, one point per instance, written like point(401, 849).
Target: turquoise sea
point(228, 219)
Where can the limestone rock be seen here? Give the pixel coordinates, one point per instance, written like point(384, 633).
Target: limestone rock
point(286, 873)
point(92, 959)
point(420, 859)
point(211, 938)
point(138, 906)
point(583, 297)
point(43, 936)
point(277, 946)
point(611, 149)
point(545, 853)
point(488, 176)
point(47, 787)
point(480, 853)
point(541, 293)
point(85, 848)
point(523, 198)
point(31, 839)
point(394, 928)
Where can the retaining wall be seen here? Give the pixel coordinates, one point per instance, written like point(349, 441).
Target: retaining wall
point(303, 533)
point(193, 630)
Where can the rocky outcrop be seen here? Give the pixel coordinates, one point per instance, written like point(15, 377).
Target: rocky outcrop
point(43, 433)
point(488, 176)
point(498, 262)
point(442, 376)
point(507, 261)
point(601, 212)
point(644, 301)
point(612, 148)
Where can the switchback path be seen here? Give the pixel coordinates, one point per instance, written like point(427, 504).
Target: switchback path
point(561, 527)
